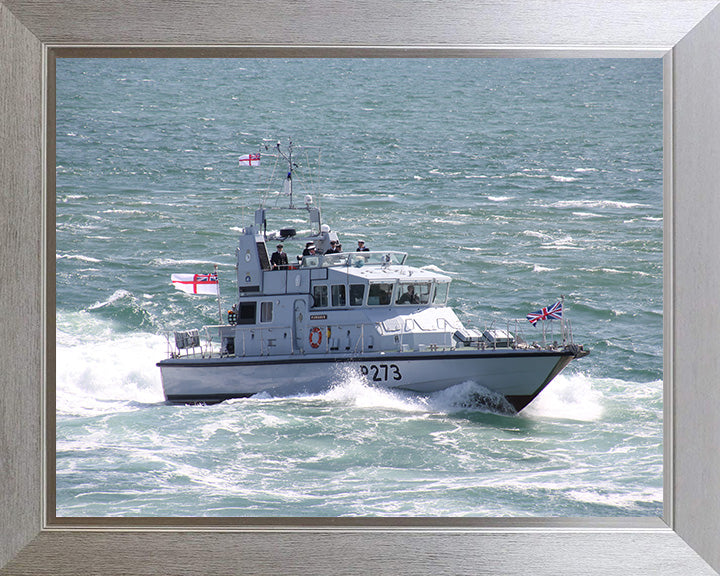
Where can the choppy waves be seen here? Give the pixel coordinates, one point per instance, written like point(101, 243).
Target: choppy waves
point(519, 202)
point(352, 450)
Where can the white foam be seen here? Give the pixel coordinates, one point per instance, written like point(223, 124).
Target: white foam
point(612, 496)
point(525, 174)
point(354, 390)
point(176, 262)
point(562, 241)
point(76, 257)
point(447, 221)
point(559, 246)
point(433, 268)
point(122, 211)
point(596, 204)
point(568, 396)
point(117, 295)
point(535, 234)
point(439, 173)
point(537, 268)
point(107, 375)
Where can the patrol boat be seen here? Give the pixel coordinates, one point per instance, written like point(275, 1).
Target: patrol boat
point(300, 327)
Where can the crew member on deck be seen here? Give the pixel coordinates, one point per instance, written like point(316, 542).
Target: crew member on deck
point(334, 247)
point(361, 247)
point(309, 249)
point(279, 259)
point(409, 297)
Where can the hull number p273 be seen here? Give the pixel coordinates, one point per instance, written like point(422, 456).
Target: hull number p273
point(381, 372)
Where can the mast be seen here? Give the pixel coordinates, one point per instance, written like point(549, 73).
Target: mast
point(218, 294)
point(287, 186)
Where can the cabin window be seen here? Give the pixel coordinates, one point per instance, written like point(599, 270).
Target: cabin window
point(357, 293)
point(320, 296)
point(266, 312)
point(247, 312)
point(380, 294)
point(413, 293)
point(338, 295)
point(441, 293)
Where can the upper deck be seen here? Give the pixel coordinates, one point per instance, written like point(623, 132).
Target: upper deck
point(354, 259)
point(257, 275)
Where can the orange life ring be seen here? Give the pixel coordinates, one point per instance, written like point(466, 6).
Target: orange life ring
point(315, 343)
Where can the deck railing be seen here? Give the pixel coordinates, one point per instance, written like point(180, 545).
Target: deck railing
point(510, 333)
point(354, 259)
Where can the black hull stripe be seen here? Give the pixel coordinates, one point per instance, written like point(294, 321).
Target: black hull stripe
point(204, 398)
point(182, 363)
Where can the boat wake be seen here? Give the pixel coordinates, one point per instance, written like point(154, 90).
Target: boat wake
point(108, 374)
point(570, 397)
point(351, 389)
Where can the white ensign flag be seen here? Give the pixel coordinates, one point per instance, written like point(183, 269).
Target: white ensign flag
point(196, 283)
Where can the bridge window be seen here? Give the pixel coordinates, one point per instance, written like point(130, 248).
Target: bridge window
point(413, 293)
point(380, 294)
point(441, 293)
point(320, 296)
point(338, 295)
point(357, 293)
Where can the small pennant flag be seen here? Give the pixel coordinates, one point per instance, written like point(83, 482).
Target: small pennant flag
point(554, 312)
point(196, 283)
point(250, 160)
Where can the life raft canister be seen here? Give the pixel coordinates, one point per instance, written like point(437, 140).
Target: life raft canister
point(315, 337)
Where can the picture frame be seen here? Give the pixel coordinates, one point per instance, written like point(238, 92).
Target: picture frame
point(683, 32)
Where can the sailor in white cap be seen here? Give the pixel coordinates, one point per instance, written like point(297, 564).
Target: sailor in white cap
point(361, 247)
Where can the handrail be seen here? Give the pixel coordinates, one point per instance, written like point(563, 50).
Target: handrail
point(444, 327)
point(354, 259)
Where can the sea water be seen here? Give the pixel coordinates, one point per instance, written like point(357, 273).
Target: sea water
point(523, 180)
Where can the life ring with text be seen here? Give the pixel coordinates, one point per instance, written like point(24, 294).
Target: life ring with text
point(315, 337)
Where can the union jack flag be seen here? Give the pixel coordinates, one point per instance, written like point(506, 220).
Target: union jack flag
point(553, 312)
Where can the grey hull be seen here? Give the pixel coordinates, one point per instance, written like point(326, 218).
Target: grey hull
point(518, 375)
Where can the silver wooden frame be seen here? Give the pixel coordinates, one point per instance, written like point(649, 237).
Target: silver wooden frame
point(685, 33)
